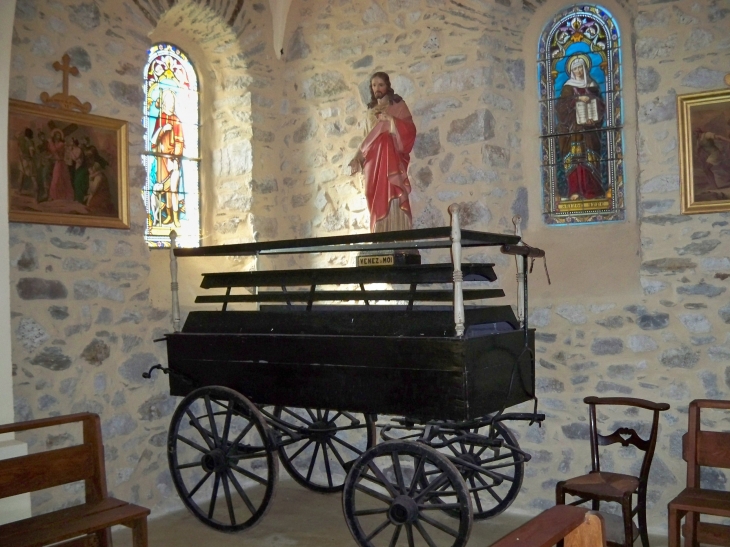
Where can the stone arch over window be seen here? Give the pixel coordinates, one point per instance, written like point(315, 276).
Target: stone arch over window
point(581, 117)
point(171, 147)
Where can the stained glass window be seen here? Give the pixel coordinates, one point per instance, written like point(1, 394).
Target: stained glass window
point(171, 157)
point(581, 118)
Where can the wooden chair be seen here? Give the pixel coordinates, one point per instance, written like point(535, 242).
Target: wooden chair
point(701, 448)
point(600, 485)
point(575, 526)
point(87, 524)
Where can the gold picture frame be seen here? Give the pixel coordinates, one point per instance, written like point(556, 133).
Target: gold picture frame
point(704, 151)
point(67, 167)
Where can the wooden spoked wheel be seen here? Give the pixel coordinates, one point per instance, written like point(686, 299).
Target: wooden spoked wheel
point(493, 472)
point(322, 445)
point(222, 459)
point(406, 494)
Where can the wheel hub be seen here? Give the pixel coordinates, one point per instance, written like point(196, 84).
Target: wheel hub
point(403, 510)
point(317, 432)
point(469, 458)
point(214, 461)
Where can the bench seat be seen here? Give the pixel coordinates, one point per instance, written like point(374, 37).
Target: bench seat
point(70, 523)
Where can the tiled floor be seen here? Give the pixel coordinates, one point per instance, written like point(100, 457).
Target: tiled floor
point(297, 518)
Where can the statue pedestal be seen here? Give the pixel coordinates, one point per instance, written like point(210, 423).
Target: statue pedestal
point(388, 258)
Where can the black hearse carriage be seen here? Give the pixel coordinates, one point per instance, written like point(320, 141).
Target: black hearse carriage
point(302, 379)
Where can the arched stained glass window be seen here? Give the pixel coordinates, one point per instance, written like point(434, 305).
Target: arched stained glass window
point(579, 78)
point(171, 157)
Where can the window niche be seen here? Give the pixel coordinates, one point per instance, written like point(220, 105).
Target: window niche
point(172, 153)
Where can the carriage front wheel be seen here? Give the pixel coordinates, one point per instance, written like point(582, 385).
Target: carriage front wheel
point(221, 456)
point(402, 493)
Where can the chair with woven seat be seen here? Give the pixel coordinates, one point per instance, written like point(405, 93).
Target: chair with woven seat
point(603, 486)
point(701, 449)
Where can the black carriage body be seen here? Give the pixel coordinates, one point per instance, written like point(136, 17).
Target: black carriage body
point(452, 366)
point(375, 359)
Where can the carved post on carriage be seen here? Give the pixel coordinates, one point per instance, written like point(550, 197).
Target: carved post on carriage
point(174, 284)
point(458, 275)
point(517, 221)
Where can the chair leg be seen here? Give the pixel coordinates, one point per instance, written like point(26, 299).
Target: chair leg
point(104, 538)
point(139, 533)
point(675, 521)
point(643, 530)
point(628, 522)
point(690, 536)
point(559, 493)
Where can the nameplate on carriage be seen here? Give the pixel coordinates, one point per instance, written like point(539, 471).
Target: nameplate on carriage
point(376, 260)
point(386, 258)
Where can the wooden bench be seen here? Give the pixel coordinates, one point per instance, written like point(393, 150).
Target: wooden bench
point(576, 526)
point(86, 525)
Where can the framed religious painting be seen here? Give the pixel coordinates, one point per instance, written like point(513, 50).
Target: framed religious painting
point(66, 167)
point(704, 151)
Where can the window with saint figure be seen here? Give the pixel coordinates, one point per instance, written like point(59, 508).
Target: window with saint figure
point(579, 79)
point(171, 157)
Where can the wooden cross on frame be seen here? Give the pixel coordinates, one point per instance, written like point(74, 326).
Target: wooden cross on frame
point(63, 99)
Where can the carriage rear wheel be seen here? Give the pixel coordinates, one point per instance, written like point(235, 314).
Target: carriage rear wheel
point(221, 458)
point(493, 473)
point(324, 446)
point(402, 493)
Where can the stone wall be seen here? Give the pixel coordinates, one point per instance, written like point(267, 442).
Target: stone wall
point(638, 308)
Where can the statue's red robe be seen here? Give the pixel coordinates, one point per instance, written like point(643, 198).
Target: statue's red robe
point(386, 157)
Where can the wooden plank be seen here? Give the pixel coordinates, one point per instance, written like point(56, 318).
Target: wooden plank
point(424, 238)
point(358, 389)
point(546, 529)
point(590, 533)
point(44, 422)
point(626, 401)
point(425, 273)
point(713, 534)
point(353, 320)
point(46, 469)
point(711, 403)
point(713, 449)
point(356, 295)
point(49, 519)
point(371, 352)
point(95, 484)
point(421, 377)
point(707, 502)
point(84, 541)
point(64, 528)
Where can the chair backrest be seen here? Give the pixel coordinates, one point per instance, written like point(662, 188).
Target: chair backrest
point(83, 462)
point(704, 448)
point(624, 435)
